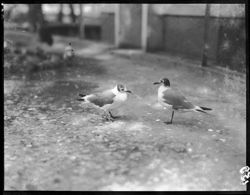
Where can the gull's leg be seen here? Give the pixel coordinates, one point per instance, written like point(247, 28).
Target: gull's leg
point(111, 114)
point(170, 122)
point(108, 116)
point(114, 117)
point(172, 117)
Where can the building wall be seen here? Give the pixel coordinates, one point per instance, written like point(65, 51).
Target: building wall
point(183, 35)
point(179, 9)
point(217, 10)
point(179, 29)
point(108, 27)
point(213, 32)
point(130, 25)
point(183, 30)
point(155, 31)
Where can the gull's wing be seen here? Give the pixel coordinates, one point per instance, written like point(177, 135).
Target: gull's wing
point(101, 99)
point(177, 100)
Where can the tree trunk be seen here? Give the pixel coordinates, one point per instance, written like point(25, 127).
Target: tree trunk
point(205, 38)
point(60, 14)
point(72, 13)
point(7, 13)
point(81, 23)
point(38, 24)
point(36, 17)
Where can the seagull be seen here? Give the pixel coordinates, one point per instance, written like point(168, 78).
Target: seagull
point(109, 99)
point(68, 52)
point(170, 98)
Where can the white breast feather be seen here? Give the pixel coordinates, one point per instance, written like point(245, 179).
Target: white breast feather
point(119, 99)
point(161, 91)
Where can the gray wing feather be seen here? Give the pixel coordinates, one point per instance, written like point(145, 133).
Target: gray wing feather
point(177, 100)
point(101, 99)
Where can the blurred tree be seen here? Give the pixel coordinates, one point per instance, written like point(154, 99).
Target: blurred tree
point(60, 14)
point(35, 16)
point(8, 11)
point(205, 38)
point(72, 13)
point(38, 23)
point(81, 22)
point(45, 34)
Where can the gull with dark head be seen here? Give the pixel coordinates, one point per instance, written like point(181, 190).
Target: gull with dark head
point(68, 52)
point(109, 99)
point(169, 98)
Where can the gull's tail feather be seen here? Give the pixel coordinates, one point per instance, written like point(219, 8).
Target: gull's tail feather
point(82, 97)
point(201, 109)
point(205, 108)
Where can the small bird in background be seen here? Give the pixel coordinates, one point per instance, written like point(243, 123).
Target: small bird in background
point(107, 100)
point(68, 52)
point(170, 98)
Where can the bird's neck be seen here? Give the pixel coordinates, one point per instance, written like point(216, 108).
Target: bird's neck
point(163, 87)
point(120, 95)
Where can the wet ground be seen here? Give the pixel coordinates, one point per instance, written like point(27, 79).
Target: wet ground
point(52, 142)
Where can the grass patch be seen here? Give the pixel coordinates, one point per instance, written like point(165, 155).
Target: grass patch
point(234, 84)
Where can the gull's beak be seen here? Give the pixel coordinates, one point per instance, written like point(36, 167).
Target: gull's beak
point(128, 91)
point(157, 83)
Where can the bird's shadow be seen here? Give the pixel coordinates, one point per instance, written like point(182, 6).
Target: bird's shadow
point(192, 123)
point(123, 118)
